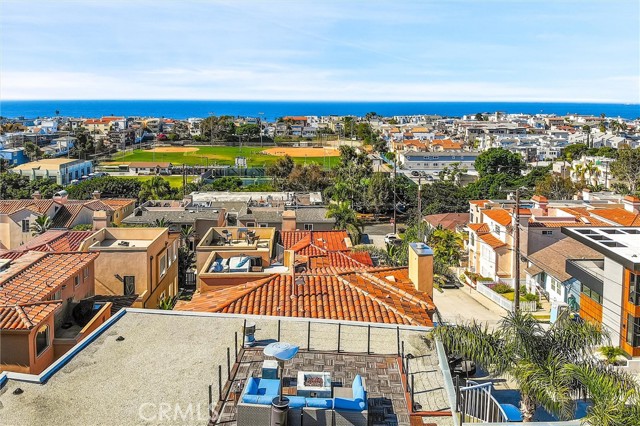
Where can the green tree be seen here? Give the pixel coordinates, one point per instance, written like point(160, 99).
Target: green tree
point(347, 219)
point(83, 145)
point(380, 193)
point(499, 160)
point(41, 225)
point(32, 150)
point(108, 186)
point(574, 151)
point(218, 128)
point(250, 130)
point(155, 188)
point(161, 223)
point(280, 170)
point(447, 246)
point(13, 186)
point(452, 173)
point(546, 364)
point(308, 177)
point(626, 167)
point(556, 187)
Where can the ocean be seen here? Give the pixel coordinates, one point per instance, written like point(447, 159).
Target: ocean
point(271, 110)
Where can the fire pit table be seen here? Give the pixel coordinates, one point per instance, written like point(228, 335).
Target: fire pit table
point(314, 384)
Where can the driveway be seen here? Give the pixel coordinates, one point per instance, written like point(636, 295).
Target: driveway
point(466, 304)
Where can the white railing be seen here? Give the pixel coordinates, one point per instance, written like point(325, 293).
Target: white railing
point(503, 302)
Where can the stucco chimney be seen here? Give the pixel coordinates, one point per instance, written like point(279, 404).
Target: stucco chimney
point(631, 204)
point(586, 195)
point(96, 195)
point(289, 220)
point(100, 220)
point(540, 202)
point(421, 267)
point(36, 195)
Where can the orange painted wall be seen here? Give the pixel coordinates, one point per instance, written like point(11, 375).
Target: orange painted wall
point(628, 308)
point(590, 310)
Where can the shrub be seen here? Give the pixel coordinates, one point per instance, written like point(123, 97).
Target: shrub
point(611, 353)
point(530, 297)
point(502, 288)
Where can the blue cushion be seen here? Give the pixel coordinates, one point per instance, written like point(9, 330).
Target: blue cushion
point(250, 399)
point(349, 404)
point(251, 388)
point(269, 387)
point(319, 402)
point(357, 382)
point(296, 401)
point(512, 412)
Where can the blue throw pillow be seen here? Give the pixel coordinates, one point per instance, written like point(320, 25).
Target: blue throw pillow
point(320, 403)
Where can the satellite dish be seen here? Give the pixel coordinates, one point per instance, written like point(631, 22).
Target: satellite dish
point(281, 350)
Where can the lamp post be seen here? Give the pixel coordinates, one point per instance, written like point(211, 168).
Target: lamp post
point(282, 352)
point(260, 114)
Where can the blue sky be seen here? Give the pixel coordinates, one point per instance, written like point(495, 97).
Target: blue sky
point(511, 50)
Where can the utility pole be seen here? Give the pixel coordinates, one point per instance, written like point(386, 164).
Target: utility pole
point(516, 296)
point(420, 208)
point(395, 197)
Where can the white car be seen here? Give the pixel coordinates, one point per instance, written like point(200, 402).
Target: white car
point(391, 239)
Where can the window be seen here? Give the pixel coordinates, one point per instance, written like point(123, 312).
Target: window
point(496, 229)
point(634, 288)
point(592, 294)
point(76, 281)
point(308, 226)
point(251, 224)
point(86, 273)
point(42, 339)
point(547, 232)
point(472, 239)
point(170, 253)
point(263, 225)
point(56, 296)
point(25, 225)
point(555, 286)
point(163, 265)
point(633, 330)
point(129, 285)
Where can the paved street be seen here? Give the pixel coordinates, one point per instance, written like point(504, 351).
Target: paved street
point(466, 304)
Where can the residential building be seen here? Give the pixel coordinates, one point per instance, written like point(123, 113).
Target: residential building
point(150, 167)
point(62, 170)
point(41, 310)
point(434, 162)
point(451, 221)
point(17, 216)
point(141, 261)
point(610, 291)
point(14, 156)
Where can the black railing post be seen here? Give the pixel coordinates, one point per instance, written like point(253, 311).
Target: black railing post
point(210, 400)
point(228, 363)
point(407, 373)
point(236, 347)
point(278, 330)
point(244, 332)
point(339, 331)
point(368, 339)
point(309, 335)
point(412, 390)
point(398, 339)
point(402, 358)
point(220, 382)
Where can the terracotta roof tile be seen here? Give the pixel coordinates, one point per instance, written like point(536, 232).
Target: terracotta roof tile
point(35, 277)
point(619, 216)
point(480, 203)
point(447, 220)
point(500, 216)
point(36, 206)
point(351, 296)
point(479, 228)
point(492, 241)
point(27, 315)
point(66, 215)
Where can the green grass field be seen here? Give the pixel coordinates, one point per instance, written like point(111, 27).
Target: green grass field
point(174, 181)
point(218, 155)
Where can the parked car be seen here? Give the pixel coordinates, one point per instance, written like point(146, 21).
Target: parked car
point(415, 173)
point(391, 239)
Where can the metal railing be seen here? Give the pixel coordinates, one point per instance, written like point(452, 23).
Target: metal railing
point(476, 404)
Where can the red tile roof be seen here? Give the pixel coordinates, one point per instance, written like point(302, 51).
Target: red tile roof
point(60, 241)
point(327, 240)
point(27, 315)
point(447, 220)
point(492, 241)
point(479, 228)
point(385, 297)
point(341, 260)
point(619, 216)
point(66, 215)
point(480, 203)
point(500, 216)
point(35, 277)
point(36, 206)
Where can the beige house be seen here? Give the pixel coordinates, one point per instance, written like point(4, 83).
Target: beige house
point(16, 218)
point(140, 261)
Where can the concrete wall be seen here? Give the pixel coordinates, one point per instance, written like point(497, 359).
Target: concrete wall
point(612, 299)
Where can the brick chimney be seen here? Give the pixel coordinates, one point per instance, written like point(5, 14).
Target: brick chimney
point(36, 195)
point(289, 220)
point(100, 220)
point(96, 195)
point(631, 204)
point(421, 267)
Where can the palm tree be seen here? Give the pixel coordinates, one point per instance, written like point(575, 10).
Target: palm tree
point(155, 188)
point(186, 235)
point(579, 172)
point(593, 171)
point(447, 246)
point(161, 223)
point(347, 219)
point(548, 365)
point(41, 225)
